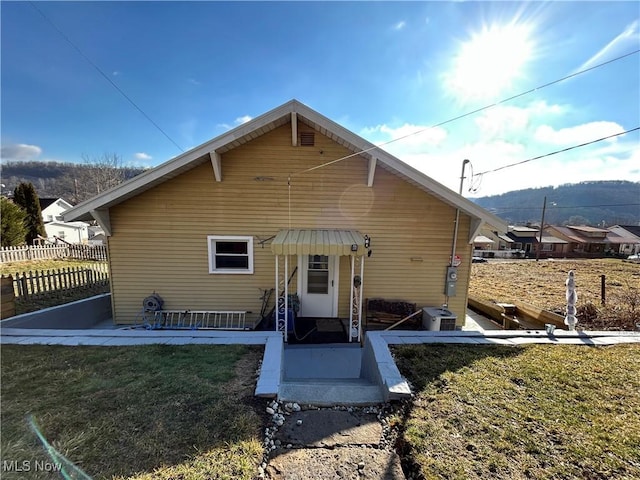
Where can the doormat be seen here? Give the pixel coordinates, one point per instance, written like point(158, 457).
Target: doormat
point(330, 325)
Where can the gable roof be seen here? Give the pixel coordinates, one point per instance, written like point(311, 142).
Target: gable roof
point(634, 230)
point(45, 202)
point(98, 206)
point(74, 225)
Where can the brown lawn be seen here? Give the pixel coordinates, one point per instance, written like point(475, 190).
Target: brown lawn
point(543, 284)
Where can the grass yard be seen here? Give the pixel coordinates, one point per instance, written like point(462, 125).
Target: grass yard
point(538, 412)
point(543, 284)
point(139, 413)
point(32, 265)
point(25, 305)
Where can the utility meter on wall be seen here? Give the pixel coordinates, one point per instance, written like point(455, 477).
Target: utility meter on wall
point(450, 283)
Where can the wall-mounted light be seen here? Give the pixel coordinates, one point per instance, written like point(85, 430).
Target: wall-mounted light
point(367, 241)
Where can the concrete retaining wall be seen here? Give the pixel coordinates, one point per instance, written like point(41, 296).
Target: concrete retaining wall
point(75, 315)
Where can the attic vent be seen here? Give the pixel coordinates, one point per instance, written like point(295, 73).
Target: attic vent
point(307, 139)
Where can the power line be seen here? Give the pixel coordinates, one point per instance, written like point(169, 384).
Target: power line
point(105, 76)
point(556, 152)
point(565, 207)
point(575, 74)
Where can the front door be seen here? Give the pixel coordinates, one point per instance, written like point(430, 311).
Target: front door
point(318, 285)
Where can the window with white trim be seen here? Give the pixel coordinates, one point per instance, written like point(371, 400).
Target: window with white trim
point(230, 254)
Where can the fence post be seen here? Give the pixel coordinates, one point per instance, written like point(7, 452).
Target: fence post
point(603, 289)
point(7, 296)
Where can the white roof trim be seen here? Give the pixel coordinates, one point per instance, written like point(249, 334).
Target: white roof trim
point(262, 124)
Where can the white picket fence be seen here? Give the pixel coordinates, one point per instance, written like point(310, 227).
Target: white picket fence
point(47, 252)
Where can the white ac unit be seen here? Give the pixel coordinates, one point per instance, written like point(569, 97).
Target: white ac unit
point(438, 319)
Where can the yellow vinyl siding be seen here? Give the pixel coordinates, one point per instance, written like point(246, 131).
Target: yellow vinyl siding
point(159, 240)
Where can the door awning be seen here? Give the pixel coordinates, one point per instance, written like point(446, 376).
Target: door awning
point(318, 242)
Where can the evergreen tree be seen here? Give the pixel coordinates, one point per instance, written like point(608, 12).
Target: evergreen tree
point(13, 219)
point(25, 196)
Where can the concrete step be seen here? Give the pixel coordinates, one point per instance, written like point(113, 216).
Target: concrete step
point(330, 391)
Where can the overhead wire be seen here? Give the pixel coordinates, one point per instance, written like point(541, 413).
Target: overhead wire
point(105, 76)
point(556, 152)
point(486, 107)
point(479, 175)
point(556, 207)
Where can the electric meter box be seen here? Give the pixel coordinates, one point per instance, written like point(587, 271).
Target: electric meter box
point(450, 282)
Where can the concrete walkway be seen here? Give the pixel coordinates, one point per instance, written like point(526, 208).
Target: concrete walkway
point(370, 370)
point(127, 337)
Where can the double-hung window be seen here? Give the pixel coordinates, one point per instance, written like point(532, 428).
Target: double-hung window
point(228, 254)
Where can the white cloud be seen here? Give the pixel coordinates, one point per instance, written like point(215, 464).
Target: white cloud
point(193, 81)
point(500, 121)
point(20, 152)
point(400, 25)
point(629, 36)
point(578, 134)
point(236, 122)
point(143, 156)
point(410, 137)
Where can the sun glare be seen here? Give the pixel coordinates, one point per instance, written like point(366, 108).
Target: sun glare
point(489, 62)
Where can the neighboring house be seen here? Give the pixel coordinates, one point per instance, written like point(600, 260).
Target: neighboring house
point(552, 246)
point(523, 238)
point(291, 201)
point(69, 232)
point(630, 235)
point(96, 236)
point(483, 242)
point(53, 208)
point(584, 241)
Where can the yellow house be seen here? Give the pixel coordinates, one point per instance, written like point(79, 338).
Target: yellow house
point(289, 201)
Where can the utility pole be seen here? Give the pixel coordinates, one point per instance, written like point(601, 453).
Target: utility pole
point(455, 230)
point(544, 208)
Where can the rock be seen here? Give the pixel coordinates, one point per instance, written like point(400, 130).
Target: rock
point(299, 422)
point(270, 411)
point(360, 465)
point(295, 407)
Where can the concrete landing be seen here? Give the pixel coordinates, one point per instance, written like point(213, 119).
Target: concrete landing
point(322, 361)
point(326, 375)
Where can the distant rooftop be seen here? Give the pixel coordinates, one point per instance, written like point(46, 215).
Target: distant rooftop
point(522, 228)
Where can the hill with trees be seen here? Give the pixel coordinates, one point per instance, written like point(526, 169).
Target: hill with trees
point(588, 203)
point(75, 182)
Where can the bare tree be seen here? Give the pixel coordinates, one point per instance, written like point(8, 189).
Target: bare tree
point(106, 171)
point(94, 176)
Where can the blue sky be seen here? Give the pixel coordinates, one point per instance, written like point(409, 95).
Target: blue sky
point(380, 69)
